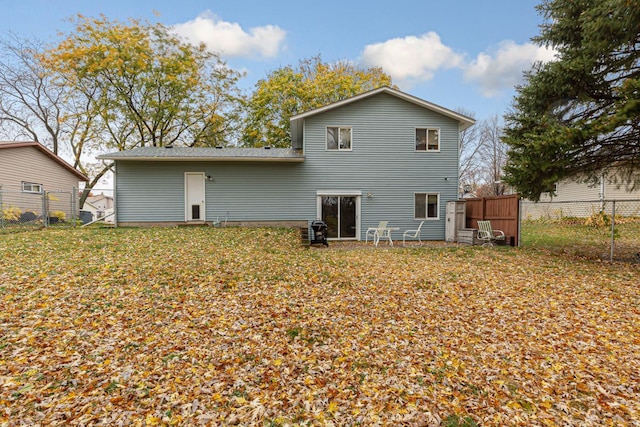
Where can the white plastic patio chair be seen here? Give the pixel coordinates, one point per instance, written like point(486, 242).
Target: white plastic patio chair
point(383, 233)
point(413, 234)
point(371, 231)
point(219, 222)
point(488, 235)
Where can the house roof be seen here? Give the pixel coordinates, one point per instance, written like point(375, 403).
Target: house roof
point(88, 202)
point(197, 154)
point(297, 120)
point(47, 152)
point(99, 197)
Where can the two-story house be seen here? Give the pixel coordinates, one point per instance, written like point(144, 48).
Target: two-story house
point(100, 206)
point(380, 155)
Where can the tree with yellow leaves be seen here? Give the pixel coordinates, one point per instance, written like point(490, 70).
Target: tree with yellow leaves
point(146, 85)
point(289, 91)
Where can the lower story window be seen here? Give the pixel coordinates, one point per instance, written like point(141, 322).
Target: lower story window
point(30, 187)
point(426, 206)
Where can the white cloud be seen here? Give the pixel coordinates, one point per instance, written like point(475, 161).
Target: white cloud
point(412, 58)
point(503, 68)
point(230, 39)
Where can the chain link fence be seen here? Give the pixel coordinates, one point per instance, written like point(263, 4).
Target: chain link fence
point(603, 229)
point(25, 210)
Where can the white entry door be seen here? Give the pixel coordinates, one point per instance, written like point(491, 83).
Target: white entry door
point(194, 196)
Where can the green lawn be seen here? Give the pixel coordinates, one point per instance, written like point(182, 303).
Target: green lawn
point(572, 237)
point(209, 326)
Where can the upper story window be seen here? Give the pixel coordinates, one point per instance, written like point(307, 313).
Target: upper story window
point(426, 206)
point(30, 187)
point(338, 138)
point(427, 139)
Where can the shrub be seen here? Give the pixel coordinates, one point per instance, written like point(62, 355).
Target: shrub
point(58, 214)
point(11, 213)
point(599, 219)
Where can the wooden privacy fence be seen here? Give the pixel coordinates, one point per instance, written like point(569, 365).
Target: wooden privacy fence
point(502, 211)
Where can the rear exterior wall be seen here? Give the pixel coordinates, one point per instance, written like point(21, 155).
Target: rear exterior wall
point(382, 166)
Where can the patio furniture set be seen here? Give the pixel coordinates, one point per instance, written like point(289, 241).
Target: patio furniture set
point(485, 234)
point(383, 231)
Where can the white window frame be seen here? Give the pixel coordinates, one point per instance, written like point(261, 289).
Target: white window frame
point(426, 147)
point(340, 129)
point(341, 193)
point(426, 195)
point(28, 187)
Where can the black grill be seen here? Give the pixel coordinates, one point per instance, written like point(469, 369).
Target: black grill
point(318, 233)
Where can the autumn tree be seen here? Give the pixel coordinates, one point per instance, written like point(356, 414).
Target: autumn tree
point(36, 104)
point(148, 86)
point(30, 106)
point(493, 155)
point(112, 86)
point(580, 114)
point(288, 91)
point(469, 166)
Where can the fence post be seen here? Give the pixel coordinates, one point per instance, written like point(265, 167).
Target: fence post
point(74, 195)
point(519, 221)
point(613, 228)
point(45, 210)
point(1, 213)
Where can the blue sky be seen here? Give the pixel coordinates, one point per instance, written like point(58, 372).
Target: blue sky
point(459, 54)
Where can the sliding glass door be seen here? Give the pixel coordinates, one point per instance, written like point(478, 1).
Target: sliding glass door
point(340, 213)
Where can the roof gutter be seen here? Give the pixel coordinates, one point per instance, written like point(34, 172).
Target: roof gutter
point(207, 159)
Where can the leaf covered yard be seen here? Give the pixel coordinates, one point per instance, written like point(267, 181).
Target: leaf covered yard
point(204, 326)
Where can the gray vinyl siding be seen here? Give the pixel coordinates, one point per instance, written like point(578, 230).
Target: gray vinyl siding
point(382, 162)
point(243, 191)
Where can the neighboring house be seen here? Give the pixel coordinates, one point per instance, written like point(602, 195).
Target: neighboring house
point(381, 155)
point(28, 170)
point(581, 199)
point(97, 212)
point(100, 206)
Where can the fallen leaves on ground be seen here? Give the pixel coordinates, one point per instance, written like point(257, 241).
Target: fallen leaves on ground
point(203, 326)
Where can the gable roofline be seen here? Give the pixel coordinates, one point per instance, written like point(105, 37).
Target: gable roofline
point(464, 121)
point(87, 202)
point(48, 153)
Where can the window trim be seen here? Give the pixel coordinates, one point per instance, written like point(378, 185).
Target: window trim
point(426, 148)
point(426, 207)
point(326, 138)
point(357, 194)
point(31, 185)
